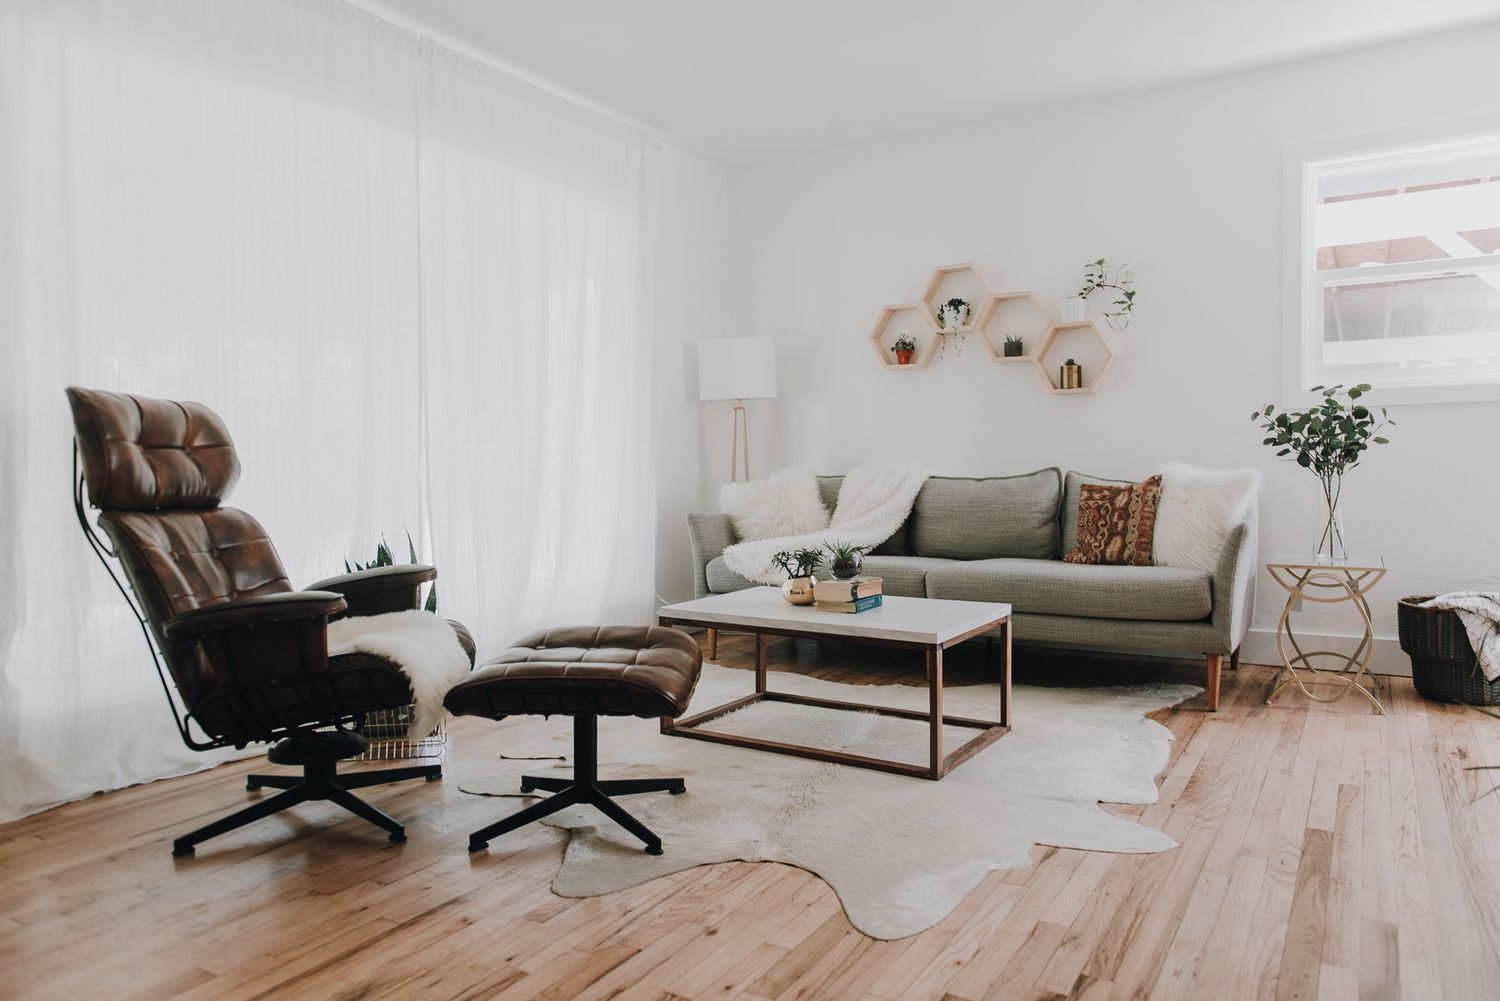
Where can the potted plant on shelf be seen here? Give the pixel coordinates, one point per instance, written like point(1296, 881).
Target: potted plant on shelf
point(846, 559)
point(904, 348)
point(1014, 346)
point(1101, 274)
point(799, 565)
point(1329, 439)
point(954, 313)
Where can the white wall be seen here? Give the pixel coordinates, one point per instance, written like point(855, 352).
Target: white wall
point(1185, 184)
point(687, 202)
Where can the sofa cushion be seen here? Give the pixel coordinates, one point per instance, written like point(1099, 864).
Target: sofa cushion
point(722, 580)
point(904, 576)
point(1051, 587)
point(896, 545)
point(977, 519)
point(1067, 516)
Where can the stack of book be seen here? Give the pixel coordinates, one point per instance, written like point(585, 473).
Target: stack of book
point(857, 595)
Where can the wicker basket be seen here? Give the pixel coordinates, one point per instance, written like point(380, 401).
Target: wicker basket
point(1443, 664)
point(386, 730)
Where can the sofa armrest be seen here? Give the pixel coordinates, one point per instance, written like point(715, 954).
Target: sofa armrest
point(1234, 585)
point(396, 588)
point(258, 611)
point(710, 534)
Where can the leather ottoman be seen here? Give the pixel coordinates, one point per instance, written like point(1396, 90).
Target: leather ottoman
point(584, 672)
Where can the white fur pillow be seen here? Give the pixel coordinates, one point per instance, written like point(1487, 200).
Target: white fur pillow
point(784, 503)
point(1198, 508)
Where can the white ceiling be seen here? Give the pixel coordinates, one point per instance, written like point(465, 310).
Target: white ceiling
point(753, 80)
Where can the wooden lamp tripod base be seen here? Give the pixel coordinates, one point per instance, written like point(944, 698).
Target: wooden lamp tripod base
point(740, 433)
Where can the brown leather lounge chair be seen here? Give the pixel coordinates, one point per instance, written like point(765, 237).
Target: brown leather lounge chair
point(247, 655)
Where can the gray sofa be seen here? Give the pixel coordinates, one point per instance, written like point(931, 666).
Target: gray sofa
point(1002, 539)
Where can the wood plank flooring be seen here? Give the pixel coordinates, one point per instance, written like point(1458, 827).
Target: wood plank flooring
point(1326, 854)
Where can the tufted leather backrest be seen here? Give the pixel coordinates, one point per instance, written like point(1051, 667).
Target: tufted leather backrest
point(181, 560)
point(141, 454)
point(157, 470)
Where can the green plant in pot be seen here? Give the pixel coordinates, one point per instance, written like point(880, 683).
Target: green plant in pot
point(845, 559)
point(799, 565)
point(904, 348)
point(1329, 439)
point(953, 313)
point(384, 558)
point(1014, 346)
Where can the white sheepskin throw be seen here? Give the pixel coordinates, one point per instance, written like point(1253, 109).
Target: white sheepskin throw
point(873, 502)
point(422, 645)
point(1197, 510)
point(784, 503)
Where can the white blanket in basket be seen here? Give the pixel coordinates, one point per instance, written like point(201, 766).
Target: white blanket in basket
point(1479, 611)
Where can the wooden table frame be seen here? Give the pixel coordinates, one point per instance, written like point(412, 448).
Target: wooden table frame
point(938, 763)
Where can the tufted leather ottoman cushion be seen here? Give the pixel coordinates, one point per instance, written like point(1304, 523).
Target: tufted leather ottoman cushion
point(606, 670)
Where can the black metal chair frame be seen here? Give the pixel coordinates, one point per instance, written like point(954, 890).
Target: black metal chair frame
point(583, 787)
point(336, 732)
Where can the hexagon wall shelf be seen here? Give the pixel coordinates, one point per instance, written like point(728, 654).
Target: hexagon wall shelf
point(1049, 342)
point(1012, 313)
point(962, 279)
point(927, 336)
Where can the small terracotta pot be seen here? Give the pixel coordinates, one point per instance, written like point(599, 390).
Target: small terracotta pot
point(904, 357)
point(798, 590)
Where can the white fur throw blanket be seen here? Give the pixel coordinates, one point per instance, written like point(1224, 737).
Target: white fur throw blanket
point(873, 502)
point(422, 645)
point(1479, 611)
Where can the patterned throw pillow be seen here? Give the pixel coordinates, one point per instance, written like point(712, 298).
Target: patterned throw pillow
point(1115, 524)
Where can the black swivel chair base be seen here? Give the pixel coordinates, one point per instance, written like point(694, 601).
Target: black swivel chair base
point(584, 787)
point(319, 754)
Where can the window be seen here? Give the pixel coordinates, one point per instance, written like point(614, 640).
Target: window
point(1396, 252)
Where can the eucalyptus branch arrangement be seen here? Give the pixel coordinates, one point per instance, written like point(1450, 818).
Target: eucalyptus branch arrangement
point(1330, 439)
point(798, 562)
point(1101, 274)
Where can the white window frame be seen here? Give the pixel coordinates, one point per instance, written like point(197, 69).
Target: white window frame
point(1302, 324)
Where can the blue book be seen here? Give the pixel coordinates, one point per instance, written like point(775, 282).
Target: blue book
point(860, 605)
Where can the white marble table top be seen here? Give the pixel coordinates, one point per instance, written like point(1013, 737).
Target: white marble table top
point(929, 621)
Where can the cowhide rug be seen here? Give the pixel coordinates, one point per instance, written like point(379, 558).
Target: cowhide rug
point(901, 853)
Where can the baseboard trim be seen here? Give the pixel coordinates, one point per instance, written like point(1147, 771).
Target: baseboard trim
point(1388, 658)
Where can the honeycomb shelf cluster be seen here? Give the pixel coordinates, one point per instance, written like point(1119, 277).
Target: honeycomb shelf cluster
point(994, 316)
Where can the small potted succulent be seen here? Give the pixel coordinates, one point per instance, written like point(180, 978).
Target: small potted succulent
point(904, 347)
point(845, 559)
point(954, 313)
point(799, 565)
point(1014, 346)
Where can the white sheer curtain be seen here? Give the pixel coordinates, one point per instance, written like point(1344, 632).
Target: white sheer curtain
point(236, 202)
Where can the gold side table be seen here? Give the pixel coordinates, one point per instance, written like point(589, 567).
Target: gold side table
point(1307, 578)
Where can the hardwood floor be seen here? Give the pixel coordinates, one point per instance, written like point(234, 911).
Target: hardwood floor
point(1326, 853)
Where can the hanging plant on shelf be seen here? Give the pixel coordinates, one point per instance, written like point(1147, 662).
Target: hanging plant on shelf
point(1101, 274)
point(953, 315)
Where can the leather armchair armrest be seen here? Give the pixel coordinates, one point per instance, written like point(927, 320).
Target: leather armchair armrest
point(258, 611)
point(394, 588)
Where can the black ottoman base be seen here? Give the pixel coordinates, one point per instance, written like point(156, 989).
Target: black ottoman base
point(582, 788)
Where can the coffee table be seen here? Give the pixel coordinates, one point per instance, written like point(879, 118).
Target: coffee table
point(930, 625)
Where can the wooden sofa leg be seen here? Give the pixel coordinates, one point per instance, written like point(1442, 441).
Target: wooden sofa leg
point(1234, 660)
point(713, 644)
point(1215, 664)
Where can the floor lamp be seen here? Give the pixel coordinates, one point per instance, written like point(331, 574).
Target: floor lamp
point(738, 369)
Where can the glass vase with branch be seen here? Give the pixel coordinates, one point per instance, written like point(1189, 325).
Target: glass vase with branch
point(1329, 439)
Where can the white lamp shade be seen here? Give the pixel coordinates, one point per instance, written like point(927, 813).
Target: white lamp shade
point(737, 368)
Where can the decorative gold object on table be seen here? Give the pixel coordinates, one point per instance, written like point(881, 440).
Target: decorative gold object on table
point(1310, 578)
point(1070, 375)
